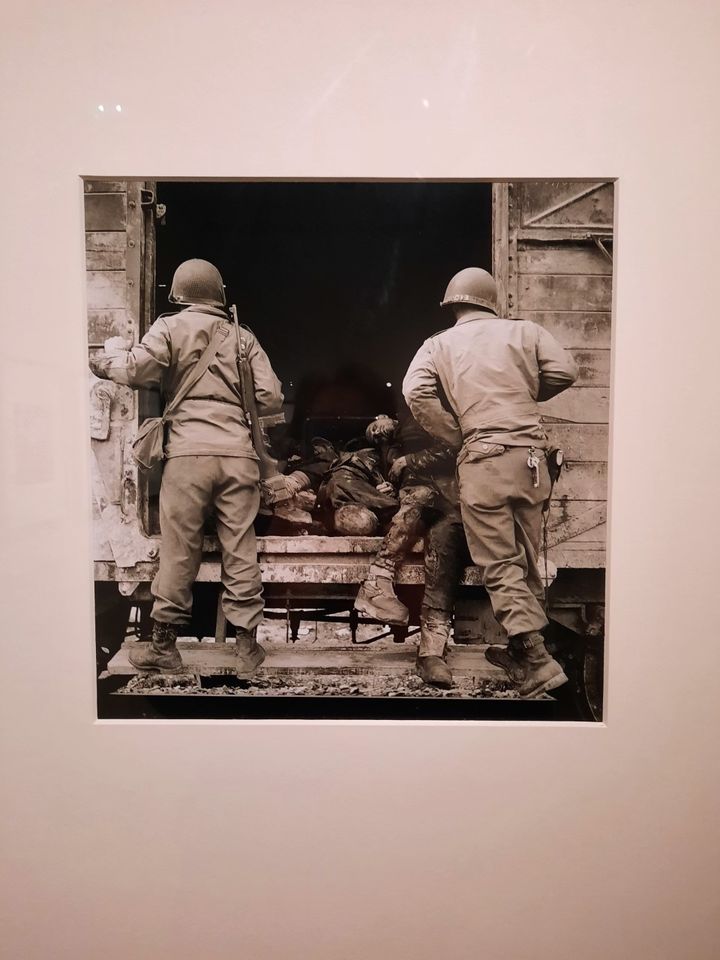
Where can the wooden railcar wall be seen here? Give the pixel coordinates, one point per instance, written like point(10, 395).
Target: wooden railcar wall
point(113, 252)
point(558, 276)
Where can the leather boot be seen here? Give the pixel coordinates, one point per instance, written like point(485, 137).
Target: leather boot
point(161, 654)
point(434, 671)
point(431, 665)
point(376, 599)
point(508, 658)
point(535, 671)
point(249, 654)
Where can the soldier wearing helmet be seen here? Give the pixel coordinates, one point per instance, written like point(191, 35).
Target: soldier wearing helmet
point(476, 386)
point(211, 466)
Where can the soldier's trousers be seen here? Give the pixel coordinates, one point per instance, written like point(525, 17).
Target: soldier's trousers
point(446, 556)
point(502, 516)
point(193, 488)
point(406, 527)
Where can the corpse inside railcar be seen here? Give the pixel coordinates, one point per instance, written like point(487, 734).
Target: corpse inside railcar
point(339, 281)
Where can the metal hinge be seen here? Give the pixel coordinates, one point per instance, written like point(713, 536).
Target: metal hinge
point(148, 202)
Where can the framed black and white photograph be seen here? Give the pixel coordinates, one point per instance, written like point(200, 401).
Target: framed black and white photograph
point(358, 462)
point(379, 485)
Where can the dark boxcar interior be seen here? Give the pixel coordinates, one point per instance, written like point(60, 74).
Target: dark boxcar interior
point(340, 281)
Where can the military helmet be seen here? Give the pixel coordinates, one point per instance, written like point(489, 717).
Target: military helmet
point(197, 281)
point(472, 285)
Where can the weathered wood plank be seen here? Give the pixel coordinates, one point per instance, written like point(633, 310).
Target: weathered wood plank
point(561, 259)
point(582, 481)
point(123, 409)
point(581, 329)
point(107, 323)
point(105, 211)
point(580, 442)
point(565, 525)
point(550, 292)
point(597, 535)
point(106, 289)
point(575, 515)
point(108, 456)
point(565, 558)
point(593, 367)
point(105, 250)
point(105, 186)
point(566, 203)
point(501, 244)
point(320, 545)
point(578, 405)
point(105, 260)
point(210, 659)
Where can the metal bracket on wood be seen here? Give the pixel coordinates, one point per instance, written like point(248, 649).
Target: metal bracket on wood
point(149, 202)
point(601, 246)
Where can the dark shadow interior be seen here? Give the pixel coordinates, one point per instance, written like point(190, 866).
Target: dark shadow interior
point(341, 282)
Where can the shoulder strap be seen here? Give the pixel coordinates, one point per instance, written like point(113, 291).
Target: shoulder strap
point(198, 370)
point(241, 342)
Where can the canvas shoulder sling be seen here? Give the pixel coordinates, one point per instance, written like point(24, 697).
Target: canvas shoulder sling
point(148, 447)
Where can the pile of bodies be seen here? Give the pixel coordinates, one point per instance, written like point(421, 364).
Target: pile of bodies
point(400, 483)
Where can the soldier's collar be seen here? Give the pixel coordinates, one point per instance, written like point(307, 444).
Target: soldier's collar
point(476, 315)
point(205, 308)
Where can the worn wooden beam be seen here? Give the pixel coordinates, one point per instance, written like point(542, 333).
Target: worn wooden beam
point(105, 211)
point(106, 290)
point(567, 204)
point(585, 330)
point(104, 323)
point(579, 292)
point(218, 659)
point(500, 244)
point(578, 405)
point(583, 556)
point(563, 258)
point(105, 250)
point(582, 481)
point(105, 186)
point(585, 442)
point(593, 367)
point(565, 527)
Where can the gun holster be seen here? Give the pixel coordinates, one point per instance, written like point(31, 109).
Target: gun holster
point(555, 458)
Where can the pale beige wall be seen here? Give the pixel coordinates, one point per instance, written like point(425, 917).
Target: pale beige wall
point(341, 841)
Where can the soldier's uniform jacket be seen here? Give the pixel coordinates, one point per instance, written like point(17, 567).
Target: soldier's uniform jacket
point(492, 372)
point(210, 421)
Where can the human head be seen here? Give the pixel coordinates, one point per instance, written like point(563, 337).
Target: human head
point(197, 281)
point(382, 429)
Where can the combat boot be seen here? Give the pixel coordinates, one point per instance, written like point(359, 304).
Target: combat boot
point(161, 654)
point(248, 653)
point(431, 665)
point(507, 657)
point(434, 671)
point(537, 672)
point(376, 599)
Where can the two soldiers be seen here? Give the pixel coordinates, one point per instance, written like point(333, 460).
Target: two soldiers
point(474, 387)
